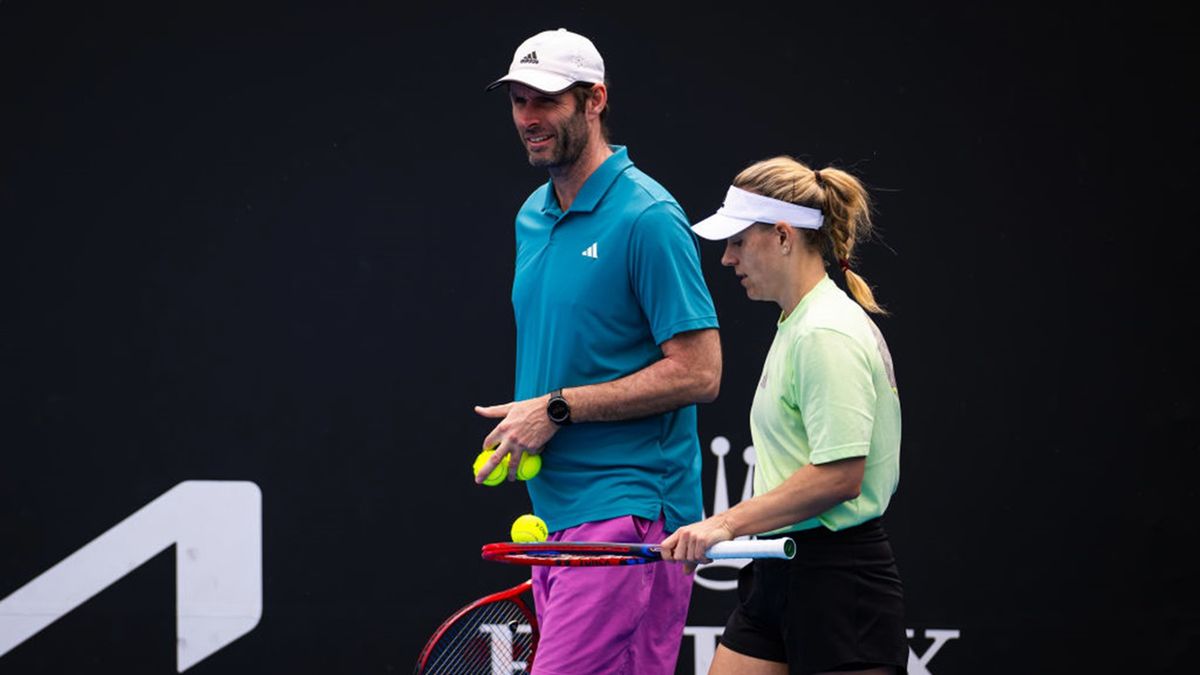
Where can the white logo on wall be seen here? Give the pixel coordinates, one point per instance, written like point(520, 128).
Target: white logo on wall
point(216, 527)
point(917, 664)
point(704, 646)
point(500, 640)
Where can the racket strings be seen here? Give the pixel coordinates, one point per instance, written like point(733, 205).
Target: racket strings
point(483, 641)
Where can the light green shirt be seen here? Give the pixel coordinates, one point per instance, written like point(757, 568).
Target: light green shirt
point(828, 392)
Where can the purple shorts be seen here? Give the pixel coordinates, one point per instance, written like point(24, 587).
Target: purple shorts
point(625, 619)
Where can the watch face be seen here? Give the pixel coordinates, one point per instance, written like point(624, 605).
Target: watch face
point(558, 410)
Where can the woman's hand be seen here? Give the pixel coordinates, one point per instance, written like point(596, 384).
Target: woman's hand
point(689, 543)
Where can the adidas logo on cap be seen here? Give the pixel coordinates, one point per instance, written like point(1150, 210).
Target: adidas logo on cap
point(531, 57)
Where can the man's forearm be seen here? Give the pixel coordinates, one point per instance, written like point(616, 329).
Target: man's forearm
point(689, 372)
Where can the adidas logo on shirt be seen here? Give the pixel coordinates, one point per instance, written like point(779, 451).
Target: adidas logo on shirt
point(531, 57)
point(590, 251)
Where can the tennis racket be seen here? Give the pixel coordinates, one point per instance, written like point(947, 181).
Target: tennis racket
point(494, 634)
point(600, 554)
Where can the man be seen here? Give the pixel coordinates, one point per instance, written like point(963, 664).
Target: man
point(616, 342)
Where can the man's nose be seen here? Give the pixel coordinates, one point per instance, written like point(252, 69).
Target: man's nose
point(525, 120)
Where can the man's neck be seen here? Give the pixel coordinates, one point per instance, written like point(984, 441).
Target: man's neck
point(568, 180)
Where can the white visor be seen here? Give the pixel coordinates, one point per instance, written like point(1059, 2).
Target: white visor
point(742, 209)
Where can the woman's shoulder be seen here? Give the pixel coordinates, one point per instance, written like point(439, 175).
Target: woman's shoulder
point(832, 310)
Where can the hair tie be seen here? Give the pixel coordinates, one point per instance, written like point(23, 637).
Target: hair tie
point(845, 264)
point(817, 176)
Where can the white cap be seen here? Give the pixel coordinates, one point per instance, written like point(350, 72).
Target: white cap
point(553, 60)
point(742, 209)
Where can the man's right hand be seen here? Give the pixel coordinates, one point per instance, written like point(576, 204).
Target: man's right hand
point(524, 428)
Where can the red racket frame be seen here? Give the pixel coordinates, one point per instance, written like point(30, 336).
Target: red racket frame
point(571, 554)
point(513, 594)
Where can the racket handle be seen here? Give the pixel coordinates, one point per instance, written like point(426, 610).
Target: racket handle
point(753, 548)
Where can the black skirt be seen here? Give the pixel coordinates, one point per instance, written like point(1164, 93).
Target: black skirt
point(838, 604)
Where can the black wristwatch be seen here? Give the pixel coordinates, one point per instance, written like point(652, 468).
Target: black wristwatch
point(557, 409)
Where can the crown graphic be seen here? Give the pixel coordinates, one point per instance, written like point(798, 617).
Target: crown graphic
point(720, 447)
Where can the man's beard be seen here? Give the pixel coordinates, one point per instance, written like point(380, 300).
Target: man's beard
point(571, 140)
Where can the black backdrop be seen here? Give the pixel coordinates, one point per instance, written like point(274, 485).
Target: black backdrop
point(273, 243)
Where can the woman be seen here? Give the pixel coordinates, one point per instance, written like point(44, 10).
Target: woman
point(826, 428)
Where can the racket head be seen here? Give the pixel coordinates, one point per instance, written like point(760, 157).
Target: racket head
point(571, 554)
point(485, 636)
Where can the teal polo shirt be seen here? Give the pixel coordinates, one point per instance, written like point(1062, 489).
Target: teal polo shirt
point(596, 290)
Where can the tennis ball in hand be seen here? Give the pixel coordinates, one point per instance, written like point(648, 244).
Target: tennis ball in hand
point(529, 529)
point(497, 475)
point(529, 467)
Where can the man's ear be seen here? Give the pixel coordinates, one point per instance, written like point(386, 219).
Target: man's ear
point(599, 98)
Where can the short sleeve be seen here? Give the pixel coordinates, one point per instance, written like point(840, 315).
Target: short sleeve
point(835, 392)
point(664, 270)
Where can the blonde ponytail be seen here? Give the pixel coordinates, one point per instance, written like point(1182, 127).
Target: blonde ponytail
point(839, 195)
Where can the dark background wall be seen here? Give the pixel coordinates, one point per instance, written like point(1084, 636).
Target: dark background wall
point(273, 243)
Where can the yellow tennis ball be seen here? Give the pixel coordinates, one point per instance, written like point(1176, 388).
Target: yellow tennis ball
point(529, 529)
point(497, 475)
point(529, 467)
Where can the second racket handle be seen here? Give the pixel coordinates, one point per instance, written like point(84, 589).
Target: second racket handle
point(753, 548)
